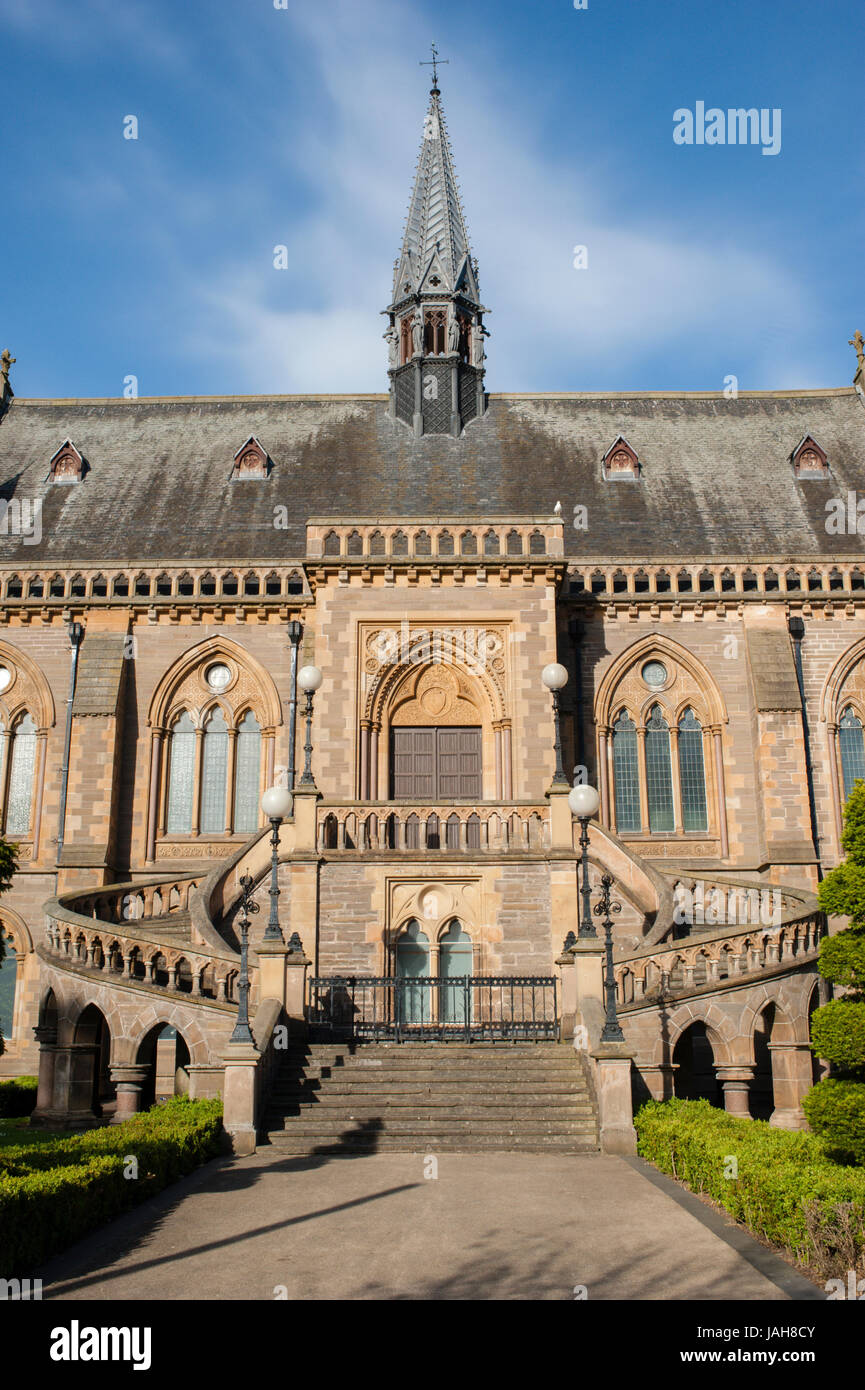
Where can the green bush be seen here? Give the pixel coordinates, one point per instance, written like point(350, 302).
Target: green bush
point(842, 958)
point(17, 1097)
point(838, 1033)
point(835, 1110)
point(53, 1195)
point(786, 1190)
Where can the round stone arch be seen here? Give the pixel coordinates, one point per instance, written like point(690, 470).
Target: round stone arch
point(152, 1017)
point(720, 1030)
point(848, 670)
point(29, 690)
point(712, 709)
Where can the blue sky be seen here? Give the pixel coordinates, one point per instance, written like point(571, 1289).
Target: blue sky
point(300, 126)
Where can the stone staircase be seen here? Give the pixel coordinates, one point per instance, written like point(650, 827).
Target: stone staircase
point(365, 1098)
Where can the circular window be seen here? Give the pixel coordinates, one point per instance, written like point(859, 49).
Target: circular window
point(5, 677)
point(654, 673)
point(218, 676)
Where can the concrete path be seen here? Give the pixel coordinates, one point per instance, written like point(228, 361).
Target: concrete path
point(495, 1226)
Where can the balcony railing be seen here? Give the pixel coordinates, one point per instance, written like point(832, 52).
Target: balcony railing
point(464, 1008)
point(451, 827)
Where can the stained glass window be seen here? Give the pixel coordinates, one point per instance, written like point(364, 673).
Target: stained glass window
point(180, 776)
point(247, 773)
point(692, 773)
point(214, 771)
point(852, 749)
point(22, 763)
point(658, 772)
point(626, 774)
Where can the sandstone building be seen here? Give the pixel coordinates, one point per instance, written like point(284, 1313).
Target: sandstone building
point(168, 565)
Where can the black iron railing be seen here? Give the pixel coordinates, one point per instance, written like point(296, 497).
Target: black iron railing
point(468, 1008)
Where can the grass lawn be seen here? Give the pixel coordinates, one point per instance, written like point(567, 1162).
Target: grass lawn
point(19, 1132)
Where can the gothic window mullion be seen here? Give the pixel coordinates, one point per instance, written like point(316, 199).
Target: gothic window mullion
point(678, 810)
point(5, 748)
point(196, 781)
point(644, 778)
point(230, 777)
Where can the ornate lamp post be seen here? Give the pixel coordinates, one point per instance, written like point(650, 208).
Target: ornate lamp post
point(309, 679)
point(555, 678)
point(584, 802)
point(242, 1031)
point(276, 805)
point(612, 1031)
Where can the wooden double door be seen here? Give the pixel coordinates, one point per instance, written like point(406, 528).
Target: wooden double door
point(431, 764)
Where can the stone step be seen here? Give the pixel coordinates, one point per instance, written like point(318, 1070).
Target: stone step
point(428, 1124)
point(475, 1091)
point(435, 1052)
point(434, 1112)
point(489, 1066)
point(437, 1144)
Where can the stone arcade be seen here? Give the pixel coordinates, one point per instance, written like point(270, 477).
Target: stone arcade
point(150, 642)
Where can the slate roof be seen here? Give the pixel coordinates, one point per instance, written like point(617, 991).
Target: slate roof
point(716, 482)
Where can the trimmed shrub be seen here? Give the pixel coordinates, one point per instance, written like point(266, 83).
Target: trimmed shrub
point(835, 1110)
point(17, 1097)
point(786, 1189)
point(53, 1195)
point(838, 1033)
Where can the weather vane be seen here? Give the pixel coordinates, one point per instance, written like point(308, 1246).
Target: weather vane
point(434, 64)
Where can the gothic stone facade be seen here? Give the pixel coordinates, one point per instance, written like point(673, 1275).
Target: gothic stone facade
point(430, 561)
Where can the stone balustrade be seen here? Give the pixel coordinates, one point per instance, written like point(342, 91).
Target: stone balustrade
point(140, 934)
point(384, 826)
point(135, 902)
point(711, 959)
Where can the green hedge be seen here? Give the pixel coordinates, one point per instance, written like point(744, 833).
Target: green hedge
point(787, 1189)
point(835, 1110)
point(17, 1097)
point(53, 1195)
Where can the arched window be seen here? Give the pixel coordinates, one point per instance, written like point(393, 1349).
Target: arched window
point(214, 774)
point(626, 773)
point(413, 963)
point(455, 963)
point(247, 773)
point(692, 773)
point(181, 772)
point(659, 778)
point(19, 788)
point(8, 979)
point(852, 748)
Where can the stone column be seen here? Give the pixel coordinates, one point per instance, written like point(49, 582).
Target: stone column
point(659, 1078)
point(238, 1097)
point(130, 1082)
point(612, 1064)
point(296, 966)
point(272, 957)
point(47, 1040)
point(722, 793)
point(74, 1083)
point(736, 1083)
point(568, 1000)
point(792, 1077)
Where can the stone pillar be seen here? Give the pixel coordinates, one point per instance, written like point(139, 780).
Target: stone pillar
point(296, 966)
point(47, 1040)
point(561, 820)
point(792, 1077)
point(736, 1082)
point(659, 1078)
point(74, 1084)
point(238, 1096)
point(612, 1067)
point(130, 1082)
point(166, 1065)
point(272, 956)
point(568, 1001)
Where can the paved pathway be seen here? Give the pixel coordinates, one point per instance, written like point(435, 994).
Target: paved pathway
point(495, 1226)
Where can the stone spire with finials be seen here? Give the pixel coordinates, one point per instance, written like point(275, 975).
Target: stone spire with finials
point(435, 332)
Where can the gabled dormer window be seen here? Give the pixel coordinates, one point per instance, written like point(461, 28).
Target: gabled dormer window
point(250, 461)
point(809, 460)
point(620, 462)
point(67, 465)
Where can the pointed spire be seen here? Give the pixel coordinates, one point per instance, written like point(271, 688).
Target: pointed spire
point(436, 240)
